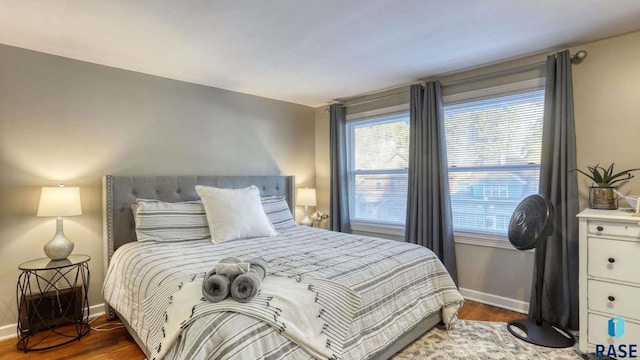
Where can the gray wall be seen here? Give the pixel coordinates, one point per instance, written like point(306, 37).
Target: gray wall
point(68, 121)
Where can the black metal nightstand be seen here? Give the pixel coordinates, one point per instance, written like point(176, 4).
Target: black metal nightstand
point(52, 294)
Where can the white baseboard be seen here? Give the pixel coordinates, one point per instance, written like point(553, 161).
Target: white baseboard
point(96, 310)
point(9, 331)
point(495, 300)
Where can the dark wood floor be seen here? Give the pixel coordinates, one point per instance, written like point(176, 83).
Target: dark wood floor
point(475, 311)
point(118, 344)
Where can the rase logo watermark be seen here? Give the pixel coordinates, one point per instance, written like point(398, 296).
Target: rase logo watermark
point(615, 329)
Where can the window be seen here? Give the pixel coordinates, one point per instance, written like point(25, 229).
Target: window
point(493, 150)
point(378, 152)
point(493, 137)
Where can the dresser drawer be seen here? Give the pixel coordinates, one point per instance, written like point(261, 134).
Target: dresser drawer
point(598, 332)
point(614, 259)
point(614, 299)
point(630, 230)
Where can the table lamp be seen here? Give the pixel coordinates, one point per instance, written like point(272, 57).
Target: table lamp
point(59, 201)
point(306, 197)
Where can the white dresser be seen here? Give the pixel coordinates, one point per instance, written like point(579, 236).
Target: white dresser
point(609, 276)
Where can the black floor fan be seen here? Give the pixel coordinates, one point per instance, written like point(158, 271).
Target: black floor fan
point(532, 222)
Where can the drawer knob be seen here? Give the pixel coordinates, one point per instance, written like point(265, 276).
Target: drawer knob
point(600, 228)
point(612, 260)
point(611, 298)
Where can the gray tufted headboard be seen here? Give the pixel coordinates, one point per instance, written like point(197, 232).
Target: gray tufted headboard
point(120, 192)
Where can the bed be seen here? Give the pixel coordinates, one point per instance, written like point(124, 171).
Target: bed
point(404, 289)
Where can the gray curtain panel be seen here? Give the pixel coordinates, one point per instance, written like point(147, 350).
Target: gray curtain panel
point(429, 220)
point(559, 184)
point(339, 206)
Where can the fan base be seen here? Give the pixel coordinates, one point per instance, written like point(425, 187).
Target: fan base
point(543, 334)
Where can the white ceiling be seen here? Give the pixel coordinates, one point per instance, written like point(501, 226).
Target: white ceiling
point(306, 51)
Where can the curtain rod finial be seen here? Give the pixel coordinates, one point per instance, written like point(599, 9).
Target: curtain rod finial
point(578, 57)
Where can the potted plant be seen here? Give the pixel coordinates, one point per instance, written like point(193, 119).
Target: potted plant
point(601, 194)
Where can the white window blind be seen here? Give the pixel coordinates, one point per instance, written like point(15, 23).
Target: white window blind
point(378, 158)
point(493, 150)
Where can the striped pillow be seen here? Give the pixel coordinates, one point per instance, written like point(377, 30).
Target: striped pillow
point(163, 221)
point(278, 212)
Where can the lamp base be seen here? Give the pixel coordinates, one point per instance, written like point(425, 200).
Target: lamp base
point(59, 247)
point(306, 221)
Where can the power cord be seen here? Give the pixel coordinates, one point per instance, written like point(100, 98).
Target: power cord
point(105, 327)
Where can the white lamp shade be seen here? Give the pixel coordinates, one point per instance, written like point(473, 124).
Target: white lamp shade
point(306, 197)
point(60, 201)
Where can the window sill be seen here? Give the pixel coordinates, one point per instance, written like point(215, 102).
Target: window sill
point(387, 229)
point(466, 238)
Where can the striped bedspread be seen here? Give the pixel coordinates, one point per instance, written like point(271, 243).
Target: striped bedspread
point(400, 284)
point(316, 314)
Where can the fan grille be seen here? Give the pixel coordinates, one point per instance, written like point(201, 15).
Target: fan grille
point(531, 222)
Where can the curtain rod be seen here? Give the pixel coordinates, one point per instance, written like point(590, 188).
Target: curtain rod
point(495, 74)
point(575, 59)
point(377, 98)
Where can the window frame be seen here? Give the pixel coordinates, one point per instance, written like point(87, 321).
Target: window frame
point(398, 231)
point(381, 116)
point(478, 238)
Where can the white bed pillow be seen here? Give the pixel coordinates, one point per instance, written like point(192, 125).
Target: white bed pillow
point(234, 213)
point(164, 221)
point(278, 212)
